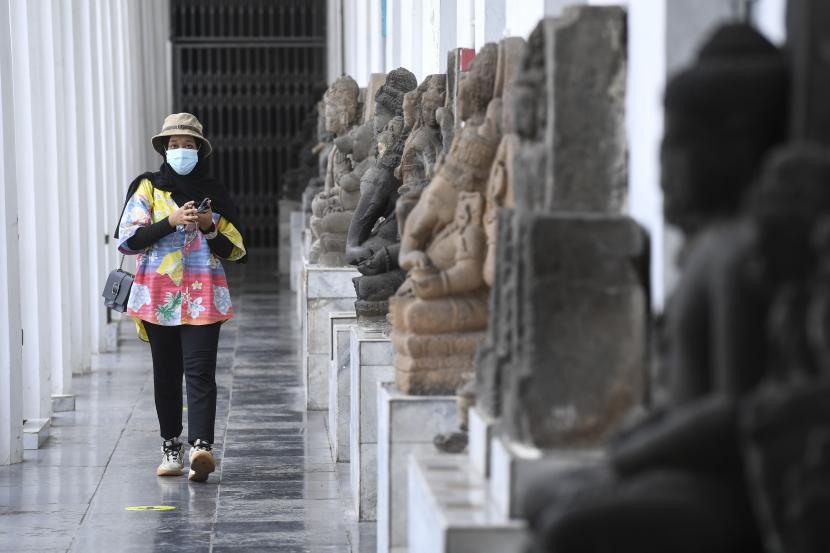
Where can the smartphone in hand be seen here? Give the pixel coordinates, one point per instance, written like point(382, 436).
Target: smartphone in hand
point(204, 206)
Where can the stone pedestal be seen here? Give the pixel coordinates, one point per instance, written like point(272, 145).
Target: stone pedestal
point(406, 426)
point(480, 435)
point(450, 512)
point(514, 466)
point(339, 388)
point(371, 363)
point(296, 223)
point(285, 209)
point(325, 290)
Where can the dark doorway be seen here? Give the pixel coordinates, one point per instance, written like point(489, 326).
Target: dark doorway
point(251, 71)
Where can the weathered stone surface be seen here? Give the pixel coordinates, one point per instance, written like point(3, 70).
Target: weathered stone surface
point(443, 244)
point(578, 60)
point(584, 342)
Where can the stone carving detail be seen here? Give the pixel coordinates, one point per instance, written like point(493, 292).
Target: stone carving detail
point(423, 145)
point(681, 468)
point(335, 207)
point(341, 115)
point(373, 240)
point(440, 312)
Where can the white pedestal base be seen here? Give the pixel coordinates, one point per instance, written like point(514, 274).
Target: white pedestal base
point(297, 221)
point(62, 403)
point(513, 467)
point(450, 512)
point(371, 363)
point(325, 290)
point(481, 431)
point(339, 388)
point(285, 210)
point(35, 433)
point(407, 426)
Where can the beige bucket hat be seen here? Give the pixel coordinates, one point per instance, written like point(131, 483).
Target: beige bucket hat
point(182, 123)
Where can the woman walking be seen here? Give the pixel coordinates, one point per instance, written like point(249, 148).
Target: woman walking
point(180, 222)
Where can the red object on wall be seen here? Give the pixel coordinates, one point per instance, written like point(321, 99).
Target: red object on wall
point(467, 55)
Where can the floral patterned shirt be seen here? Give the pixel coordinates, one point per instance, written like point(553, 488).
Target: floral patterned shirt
point(178, 279)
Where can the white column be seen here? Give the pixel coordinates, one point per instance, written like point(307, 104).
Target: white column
point(448, 41)
point(52, 148)
point(411, 36)
point(393, 34)
point(31, 176)
point(522, 18)
point(361, 34)
point(377, 42)
point(770, 18)
point(11, 381)
point(334, 39)
point(465, 24)
point(430, 39)
point(77, 270)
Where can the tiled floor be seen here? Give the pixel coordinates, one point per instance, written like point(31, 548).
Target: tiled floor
point(275, 489)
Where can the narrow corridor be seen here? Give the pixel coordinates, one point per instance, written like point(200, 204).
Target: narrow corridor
point(92, 487)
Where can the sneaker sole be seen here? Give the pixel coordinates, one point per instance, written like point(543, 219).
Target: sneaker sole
point(201, 465)
point(169, 472)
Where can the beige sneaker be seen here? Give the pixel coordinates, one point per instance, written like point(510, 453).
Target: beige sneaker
point(172, 458)
point(201, 461)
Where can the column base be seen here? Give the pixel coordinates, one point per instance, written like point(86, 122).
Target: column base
point(35, 433)
point(62, 403)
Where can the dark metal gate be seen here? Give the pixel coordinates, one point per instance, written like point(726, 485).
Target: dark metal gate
point(250, 70)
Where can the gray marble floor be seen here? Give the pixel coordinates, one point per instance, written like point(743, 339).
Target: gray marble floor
point(275, 489)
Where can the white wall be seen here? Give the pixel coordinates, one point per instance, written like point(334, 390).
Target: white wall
point(83, 87)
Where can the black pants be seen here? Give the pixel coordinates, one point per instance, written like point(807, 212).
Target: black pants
point(188, 350)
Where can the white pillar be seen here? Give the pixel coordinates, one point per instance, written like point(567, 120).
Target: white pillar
point(334, 39)
point(522, 17)
point(11, 382)
point(465, 24)
point(412, 36)
point(448, 41)
point(31, 176)
point(431, 54)
point(377, 42)
point(393, 34)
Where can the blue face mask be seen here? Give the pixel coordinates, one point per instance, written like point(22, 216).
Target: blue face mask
point(182, 160)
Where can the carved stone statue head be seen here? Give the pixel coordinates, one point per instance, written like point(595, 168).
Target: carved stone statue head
point(341, 103)
point(477, 85)
point(390, 134)
point(389, 98)
point(723, 114)
point(433, 97)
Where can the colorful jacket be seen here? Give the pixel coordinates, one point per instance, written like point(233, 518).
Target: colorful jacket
point(178, 280)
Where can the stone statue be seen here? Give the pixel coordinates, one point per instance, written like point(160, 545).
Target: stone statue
point(341, 115)
point(675, 481)
point(375, 229)
point(322, 150)
point(338, 206)
point(423, 145)
point(498, 195)
point(440, 312)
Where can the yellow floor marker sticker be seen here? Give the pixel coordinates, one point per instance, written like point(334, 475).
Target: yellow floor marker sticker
point(150, 508)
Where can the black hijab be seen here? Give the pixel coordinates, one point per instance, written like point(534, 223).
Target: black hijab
point(195, 186)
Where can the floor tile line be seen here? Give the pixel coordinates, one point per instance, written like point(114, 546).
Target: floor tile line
point(109, 458)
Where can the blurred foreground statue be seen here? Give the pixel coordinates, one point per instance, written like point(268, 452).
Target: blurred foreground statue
point(676, 481)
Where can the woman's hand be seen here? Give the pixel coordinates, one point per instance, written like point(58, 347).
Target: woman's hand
point(185, 215)
point(205, 220)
